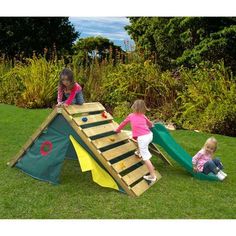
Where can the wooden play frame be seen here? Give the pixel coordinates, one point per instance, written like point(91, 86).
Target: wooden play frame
point(132, 181)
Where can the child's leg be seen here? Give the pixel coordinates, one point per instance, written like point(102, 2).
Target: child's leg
point(210, 166)
point(219, 166)
point(143, 142)
point(218, 163)
point(79, 98)
point(150, 167)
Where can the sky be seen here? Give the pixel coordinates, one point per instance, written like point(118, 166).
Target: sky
point(108, 27)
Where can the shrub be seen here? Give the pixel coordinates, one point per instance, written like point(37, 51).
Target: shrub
point(39, 79)
point(220, 118)
point(11, 85)
point(128, 82)
point(122, 110)
point(208, 101)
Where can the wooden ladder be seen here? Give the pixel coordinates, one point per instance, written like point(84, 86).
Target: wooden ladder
point(115, 151)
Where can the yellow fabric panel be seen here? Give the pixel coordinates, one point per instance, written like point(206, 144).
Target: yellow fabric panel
point(87, 163)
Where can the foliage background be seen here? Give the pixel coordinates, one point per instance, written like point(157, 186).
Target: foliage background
point(183, 67)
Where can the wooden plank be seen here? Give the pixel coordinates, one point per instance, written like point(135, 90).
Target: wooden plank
point(111, 139)
point(143, 185)
point(126, 163)
point(86, 107)
point(92, 119)
point(140, 187)
point(129, 134)
point(136, 174)
point(118, 151)
point(33, 137)
point(100, 129)
point(97, 153)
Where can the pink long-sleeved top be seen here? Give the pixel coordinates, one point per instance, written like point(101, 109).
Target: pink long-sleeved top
point(77, 88)
point(140, 124)
point(200, 159)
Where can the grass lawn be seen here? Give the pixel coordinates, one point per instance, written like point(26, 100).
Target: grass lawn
point(176, 196)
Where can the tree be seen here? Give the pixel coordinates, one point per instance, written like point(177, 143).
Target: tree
point(35, 34)
point(87, 49)
point(176, 41)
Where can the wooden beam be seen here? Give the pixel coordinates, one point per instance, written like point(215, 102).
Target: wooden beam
point(126, 163)
point(86, 107)
point(108, 140)
point(118, 151)
point(135, 174)
point(143, 185)
point(100, 129)
point(156, 152)
point(92, 119)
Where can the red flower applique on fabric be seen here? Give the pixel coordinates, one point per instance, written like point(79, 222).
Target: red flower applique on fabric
point(46, 148)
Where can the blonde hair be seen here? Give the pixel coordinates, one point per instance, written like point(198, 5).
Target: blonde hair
point(211, 140)
point(139, 107)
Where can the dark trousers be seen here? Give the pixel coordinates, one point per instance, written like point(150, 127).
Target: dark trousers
point(211, 166)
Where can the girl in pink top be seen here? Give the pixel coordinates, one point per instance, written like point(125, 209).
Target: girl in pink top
point(140, 126)
point(69, 92)
point(203, 161)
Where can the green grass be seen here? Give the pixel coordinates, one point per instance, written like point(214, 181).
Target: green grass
point(176, 195)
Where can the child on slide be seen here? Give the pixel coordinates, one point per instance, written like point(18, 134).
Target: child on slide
point(203, 161)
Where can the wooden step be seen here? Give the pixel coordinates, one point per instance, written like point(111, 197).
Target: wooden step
point(143, 185)
point(85, 108)
point(92, 119)
point(118, 151)
point(112, 139)
point(135, 174)
point(126, 163)
point(100, 129)
point(140, 187)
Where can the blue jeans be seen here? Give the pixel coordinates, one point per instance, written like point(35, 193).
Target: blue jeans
point(79, 98)
point(211, 166)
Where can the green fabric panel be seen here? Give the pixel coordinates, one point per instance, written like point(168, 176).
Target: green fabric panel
point(162, 137)
point(48, 167)
point(45, 157)
point(71, 154)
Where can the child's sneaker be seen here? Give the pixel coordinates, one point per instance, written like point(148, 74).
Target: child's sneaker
point(223, 173)
point(220, 176)
point(150, 179)
point(137, 153)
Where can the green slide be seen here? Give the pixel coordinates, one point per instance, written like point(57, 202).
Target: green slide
point(162, 137)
